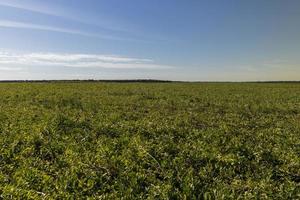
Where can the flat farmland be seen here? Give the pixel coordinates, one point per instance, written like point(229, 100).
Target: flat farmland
point(149, 140)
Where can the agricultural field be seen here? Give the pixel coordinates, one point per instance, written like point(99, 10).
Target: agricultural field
point(93, 140)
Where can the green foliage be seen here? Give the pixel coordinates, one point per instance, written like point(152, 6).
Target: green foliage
point(149, 141)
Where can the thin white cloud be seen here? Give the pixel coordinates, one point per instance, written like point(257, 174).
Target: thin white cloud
point(57, 11)
point(26, 6)
point(22, 25)
point(104, 22)
point(76, 60)
point(10, 68)
point(270, 66)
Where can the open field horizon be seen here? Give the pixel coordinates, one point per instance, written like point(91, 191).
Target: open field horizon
point(140, 81)
point(149, 140)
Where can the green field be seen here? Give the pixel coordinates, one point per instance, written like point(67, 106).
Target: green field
point(149, 140)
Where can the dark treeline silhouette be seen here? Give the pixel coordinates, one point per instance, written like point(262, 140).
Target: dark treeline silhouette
point(89, 80)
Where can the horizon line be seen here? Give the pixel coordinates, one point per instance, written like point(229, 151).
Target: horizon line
point(139, 80)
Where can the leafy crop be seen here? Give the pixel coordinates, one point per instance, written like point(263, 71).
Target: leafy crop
point(149, 141)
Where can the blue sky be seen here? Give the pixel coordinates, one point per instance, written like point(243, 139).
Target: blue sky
point(210, 40)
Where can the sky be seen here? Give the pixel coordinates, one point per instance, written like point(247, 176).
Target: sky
point(194, 40)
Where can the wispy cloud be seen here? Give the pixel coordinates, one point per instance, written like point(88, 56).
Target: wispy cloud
point(76, 60)
point(270, 65)
point(119, 29)
point(22, 25)
point(28, 7)
point(10, 68)
point(56, 11)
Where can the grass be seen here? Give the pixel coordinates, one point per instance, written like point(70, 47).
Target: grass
point(149, 140)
